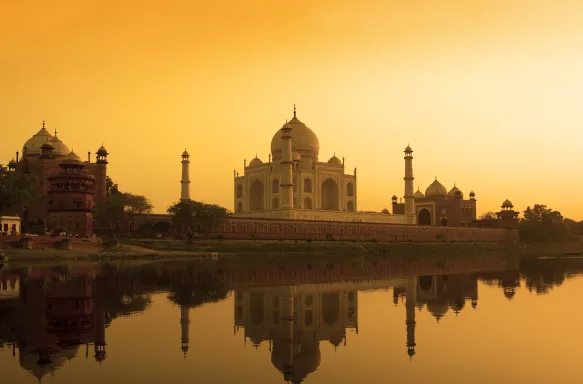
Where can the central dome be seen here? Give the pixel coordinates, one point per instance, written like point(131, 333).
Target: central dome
point(34, 144)
point(304, 140)
point(436, 189)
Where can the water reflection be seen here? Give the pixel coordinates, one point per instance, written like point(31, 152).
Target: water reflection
point(50, 315)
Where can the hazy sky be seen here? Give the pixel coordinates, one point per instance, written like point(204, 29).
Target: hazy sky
point(488, 93)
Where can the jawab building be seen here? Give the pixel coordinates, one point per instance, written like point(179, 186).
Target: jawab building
point(295, 184)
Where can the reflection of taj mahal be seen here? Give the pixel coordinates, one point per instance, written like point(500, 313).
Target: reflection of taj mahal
point(295, 319)
point(294, 184)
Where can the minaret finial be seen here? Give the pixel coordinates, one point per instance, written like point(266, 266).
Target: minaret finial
point(294, 110)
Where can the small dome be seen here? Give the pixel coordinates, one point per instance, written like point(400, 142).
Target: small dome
point(34, 144)
point(304, 140)
point(103, 151)
point(296, 156)
point(437, 309)
point(436, 189)
point(472, 194)
point(255, 162)
point(59, 148)
point(71, 158)
point(334, 161)
point(394, 198)
point(418, 194)
point(454, 193)
point(185, 153)
point(408, 149)
point(507, 204)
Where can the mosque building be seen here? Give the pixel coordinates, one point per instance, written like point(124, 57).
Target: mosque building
point(294, 184)
point(68, 187)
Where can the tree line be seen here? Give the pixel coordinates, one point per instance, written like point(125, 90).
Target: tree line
point(540, 224)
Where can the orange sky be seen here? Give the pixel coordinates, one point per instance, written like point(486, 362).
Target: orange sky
point(486, 92)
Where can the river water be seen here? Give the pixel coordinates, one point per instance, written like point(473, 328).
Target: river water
point(451, 320)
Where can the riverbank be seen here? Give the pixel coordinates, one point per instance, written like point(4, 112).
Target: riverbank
point(148, 249)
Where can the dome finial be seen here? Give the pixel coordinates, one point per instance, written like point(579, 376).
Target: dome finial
point(55, 132)
point(43, 123)
point(294, 110)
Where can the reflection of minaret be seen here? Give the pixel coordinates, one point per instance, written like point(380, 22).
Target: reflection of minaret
point(184, 328)
point(287, 321)
point(185, 182)
point(410, 309)
point(100, 336)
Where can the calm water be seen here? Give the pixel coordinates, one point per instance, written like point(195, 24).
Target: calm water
point(445, 321)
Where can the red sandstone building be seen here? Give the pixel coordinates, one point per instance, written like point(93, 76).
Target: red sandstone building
point(68, 187)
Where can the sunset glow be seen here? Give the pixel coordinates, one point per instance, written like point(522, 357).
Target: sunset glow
point(487, 93)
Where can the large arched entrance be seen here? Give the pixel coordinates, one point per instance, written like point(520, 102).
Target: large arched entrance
point(330, 195)
point(256, 196)
point(424, 217)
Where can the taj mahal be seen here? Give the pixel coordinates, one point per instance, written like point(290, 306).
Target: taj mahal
point(294, 184)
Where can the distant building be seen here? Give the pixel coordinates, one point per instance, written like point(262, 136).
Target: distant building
point(440, 207)
point(9, 225)
point(68, 186)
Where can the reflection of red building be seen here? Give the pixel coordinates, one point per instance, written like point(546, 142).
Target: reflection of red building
point(54, 315)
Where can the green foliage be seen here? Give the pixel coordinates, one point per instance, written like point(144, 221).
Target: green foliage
point(199, 217)
point(110, 187)
point(16, 192)
point(488, 216)
point(542, 225)
point(136, 204)
point(576, 228)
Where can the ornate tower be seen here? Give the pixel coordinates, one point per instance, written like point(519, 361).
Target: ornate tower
point(409, 194)
point(71, 195)
point(287, 185)
point(507, 216)
point(101, 174)
point(185, 182)
point(184, 328)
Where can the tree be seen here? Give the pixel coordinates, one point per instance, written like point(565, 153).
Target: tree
point(541, 224)
point(16, 192)
point(118, 205)
point(576, 228)
point(136, 204)
point(110, 187)
point(489, 216)
point(197, 216)
point(536, 213)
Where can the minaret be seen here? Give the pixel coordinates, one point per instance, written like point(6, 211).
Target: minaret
point(101, 174)
point(185, 182)
point(287, 185)
point(410, 310)
point(184, 328)
point(409, 194)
